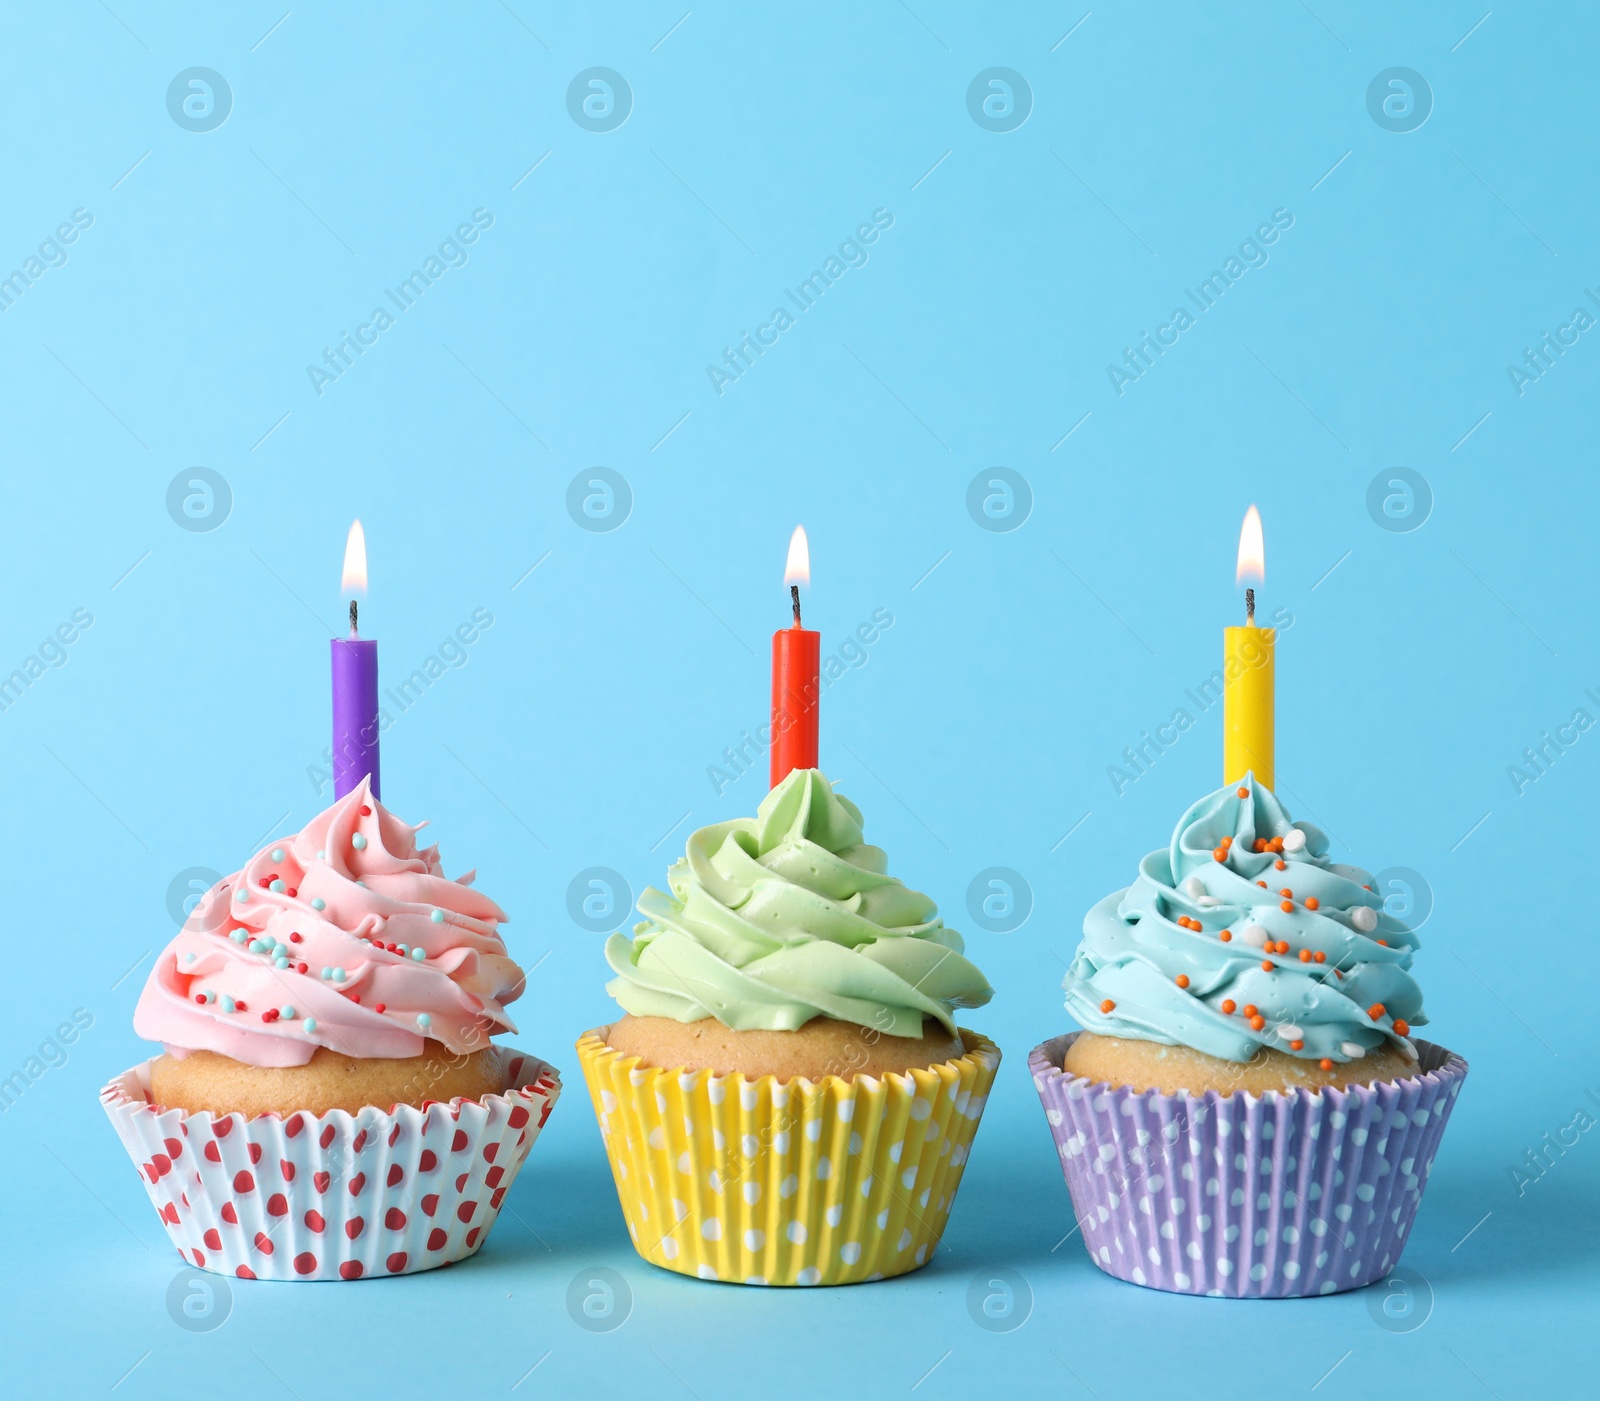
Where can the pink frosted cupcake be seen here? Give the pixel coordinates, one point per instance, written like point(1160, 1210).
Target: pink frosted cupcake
point(329, 1104)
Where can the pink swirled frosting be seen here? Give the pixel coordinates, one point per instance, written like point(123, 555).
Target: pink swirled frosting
point(346, 936)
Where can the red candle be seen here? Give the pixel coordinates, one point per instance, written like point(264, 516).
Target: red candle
point(796, 667)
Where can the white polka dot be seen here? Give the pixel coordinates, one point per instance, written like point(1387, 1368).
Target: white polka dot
point(789, 1186)
point(679, 1209)
point(684, 1165)
point(850, 1252)
point(716, 1088)
point(895, 1149)
point(1258, 1272)
point(908, 1177)
point(905, 1240)
point(1138, 1275)
point(883, 1219)
point(824, 1169)
point(658, 1137)
point(749, 1145)
point(1224, 1267)
point(711, 1228)
point(833, 1214)
point(780, 1142)
point(706, 1272)
point(669, 1248)
point(855, 1145)
point(796, 1232)
point(754, 1239)
point(1180, 1279)
point(609, 1100)
point(814, 1130)
point(1366, 1192)
point(748, 1095)
point(846, 1111)
point(866, 1187)
point(755, 1279)
point(1230, 1234)
point(920, 1108)
point(810, 1275)
point(1168, 1231)
point(1290, 1235)
point(661, 1103)
point(752, 1192)
point(1262, 1236)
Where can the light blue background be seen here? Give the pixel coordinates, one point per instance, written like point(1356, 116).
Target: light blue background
point(181, 727)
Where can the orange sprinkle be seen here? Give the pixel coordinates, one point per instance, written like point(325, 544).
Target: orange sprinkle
point(1375, 1011)
point(1262, 884)
point(1312, 902)
point(1228, 1004)
point(1276, 844)
point(1227, 841)
point(1319, 957)
point(1337, 973)
point(1266, 965)
point(1297, 1045)
point(1257, 1022)
point(1325, 1063)
point(1244, 792)
point(1261, 844)
point(1286, 892)
point(1384, 942)
point(1281, 864)
point(1182, 980)
point(1305, 955)
point(1249, 1009)
point(1226, 936)
point(1108, 1005)
point(1220, 854)
point(1283, 946)
point(1287, 906)
point(1401, 1027)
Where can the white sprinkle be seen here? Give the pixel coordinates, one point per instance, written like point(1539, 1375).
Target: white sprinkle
point(1254, 935)
point(1294, 839)
point(1352, 1049)
point(1290, 1032)
point(1194, 887)
point(1365, 918)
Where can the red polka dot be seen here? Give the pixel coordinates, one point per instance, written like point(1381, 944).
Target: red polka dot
point(490, 1151)
point(320, 1181)
point(162, 1164)
point(396, 1262)
point(199, 1258)
point(243, 1182)
point(350, 1269)
point(357, 1183)
point(305, 1263)
point(255, 1153)
point(430, 1203)
point(213, 1238)
point(459, 1142)
point(493, 1176)
point(519, 1116)
point(461, 1181)
point(222, 1127)
point(428, 1161)
point(170, 1213)
point(174, 1147)
point(354, 1226)
point(396, 1176)
point(545, 1112)
point(394, 1219)
point(245, 1272)
point(263, 1242)
point(465, 1210)
point(394, 1135)
point(229, 1214)
point(327, 1136)
point(213, 1153)
point(287, 1169)
point(360, 1143)
point(436, 1239)
point(293, 1127)
point(277, 1205)
point(498, 1196)
point(314, 1221)
point(149, 1170)
point(472, 1236)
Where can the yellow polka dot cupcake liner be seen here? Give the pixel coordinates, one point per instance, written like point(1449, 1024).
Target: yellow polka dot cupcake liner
point(804, 1182)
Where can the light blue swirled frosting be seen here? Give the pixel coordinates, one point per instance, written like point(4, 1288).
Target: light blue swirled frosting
point(790, 915)
point(1134, 949)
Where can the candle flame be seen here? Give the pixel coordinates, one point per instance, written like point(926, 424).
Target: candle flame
point(354, 579)
point(1252, 567)
point(798, 568)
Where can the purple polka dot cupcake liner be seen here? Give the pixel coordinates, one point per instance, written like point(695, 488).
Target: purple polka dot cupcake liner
point(1276, 1196)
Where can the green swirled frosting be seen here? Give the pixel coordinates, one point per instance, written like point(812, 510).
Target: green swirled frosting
point(790, 915)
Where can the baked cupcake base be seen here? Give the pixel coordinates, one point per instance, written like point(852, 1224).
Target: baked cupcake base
point(1150, 1065)
point(804, 1182)
point(1278, 1195)
point(329, 1080)
point(337, 1195)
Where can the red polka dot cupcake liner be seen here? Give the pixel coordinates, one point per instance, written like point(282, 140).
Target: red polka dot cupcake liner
point(336, 1195)
point(1242, 1196)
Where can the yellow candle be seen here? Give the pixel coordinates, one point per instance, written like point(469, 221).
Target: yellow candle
point(1247, 681)
point(1247, 704)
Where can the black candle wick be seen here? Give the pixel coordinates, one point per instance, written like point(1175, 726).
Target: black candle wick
point(794, 593)
point(352, 617)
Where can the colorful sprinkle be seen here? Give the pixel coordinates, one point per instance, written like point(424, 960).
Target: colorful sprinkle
point(1312, 902)
point(294, 937)
point(1107, 1007)
point(277, 887)
point(365, 810)
point(1220, 854)
point(287, 1013)
point(379, 1008)
point(437, 916)
point(1402, 1027)
point(1228, 1005)
point(319, 904)
point(310, 1024)
point(1305, 955)
point(1226, 936)
point(1250, 1009)
point(419, 954)
point(227, 1003)
point(322, 856)
point(242, 895)
point(189, 958)
point(1376, 1011)
point(238, 935)
point(1319, 957)
point(1325, 1063)
point(1267, 965)
point(1244, 792)
point(424, 1020)
point(276, 853)
point(338, 975)
point(1257, 1022)
point(1297, 1045)
point(1182, 980)
point(280, 963)
point(358, 842)
point(1287, 906)
point(1280, 864)
point(270, 1015)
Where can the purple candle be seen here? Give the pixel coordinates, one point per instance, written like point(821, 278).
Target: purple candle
point(355, 685)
